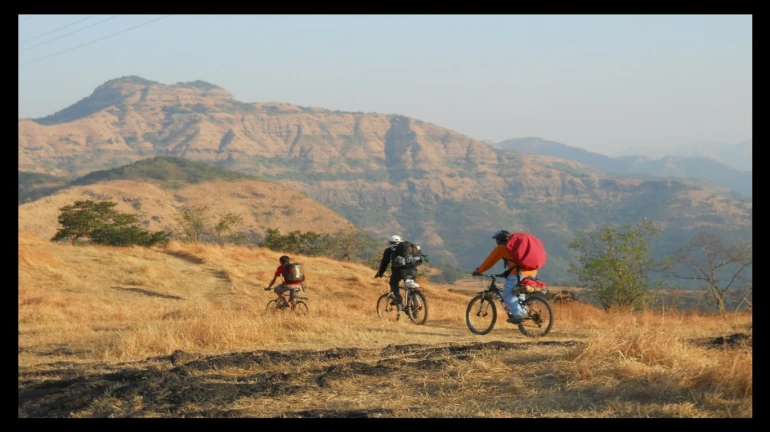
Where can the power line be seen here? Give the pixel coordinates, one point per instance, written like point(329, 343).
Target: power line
point(28, 17)
point(55, 30)
point(94, 41)
point(67, 34)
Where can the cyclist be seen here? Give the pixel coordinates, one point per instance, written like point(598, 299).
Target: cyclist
point(511, 274)
point(396, 274)
point(292, 287)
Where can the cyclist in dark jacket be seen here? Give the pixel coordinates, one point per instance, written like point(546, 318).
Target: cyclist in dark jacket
point(396, 274)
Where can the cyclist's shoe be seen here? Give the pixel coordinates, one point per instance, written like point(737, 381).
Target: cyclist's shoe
point(515, 320)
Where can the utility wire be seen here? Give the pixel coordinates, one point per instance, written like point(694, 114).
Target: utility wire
point(67, 34)
point(95, 40)
point(55, 30)
point(26, 18)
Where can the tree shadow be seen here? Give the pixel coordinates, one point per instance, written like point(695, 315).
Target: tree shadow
point(149, 293)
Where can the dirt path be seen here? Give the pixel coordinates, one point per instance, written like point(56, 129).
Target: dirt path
point(339, 382)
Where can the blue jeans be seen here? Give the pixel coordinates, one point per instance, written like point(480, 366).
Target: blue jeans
point(510, 299)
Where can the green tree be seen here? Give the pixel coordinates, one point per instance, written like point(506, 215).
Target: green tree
point(296, 242)
point(615, 264)
point(102, 224)
point(80, 219)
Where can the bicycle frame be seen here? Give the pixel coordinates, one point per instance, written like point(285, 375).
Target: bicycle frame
point(284, 302)
point(528, 294)
point(495, 292)
point(413, 297)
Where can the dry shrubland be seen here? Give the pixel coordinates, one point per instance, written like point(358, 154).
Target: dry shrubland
point(89, 305)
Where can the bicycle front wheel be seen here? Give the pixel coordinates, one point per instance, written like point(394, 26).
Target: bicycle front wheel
point(539, 317)
point(418, 307)
point(273, 307)
point(384, 308)
point(481, 315)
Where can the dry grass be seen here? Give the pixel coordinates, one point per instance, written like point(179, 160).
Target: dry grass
point(258, 202)
point(83, 305)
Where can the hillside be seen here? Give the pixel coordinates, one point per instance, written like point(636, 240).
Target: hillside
point(156, 188)
point(181, 331)
point(384, 173)
point(36, 185)
point(696, 168)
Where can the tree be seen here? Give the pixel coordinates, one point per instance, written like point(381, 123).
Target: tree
point(717, 264)
point(351, 244)
point(82, 218)
point(296, 242)
point(614, 263)
point(193, 221)
point(102, 224)
point(226, 224)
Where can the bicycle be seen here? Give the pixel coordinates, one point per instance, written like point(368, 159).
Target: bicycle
point(415, 307)
point(298, 305)
point(532, 304)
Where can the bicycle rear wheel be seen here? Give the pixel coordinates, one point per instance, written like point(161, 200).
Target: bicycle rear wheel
point(418, 307)
point(539, 317)
point(481, 315)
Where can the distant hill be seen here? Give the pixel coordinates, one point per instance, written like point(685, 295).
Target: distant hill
point(156, 188)
point(692, 168)
point(737, 156)
point(36, 185)
point(387, 174)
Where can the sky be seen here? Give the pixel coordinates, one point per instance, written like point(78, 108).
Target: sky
point(605, 83)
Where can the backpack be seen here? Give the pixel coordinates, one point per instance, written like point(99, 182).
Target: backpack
point(405, 255)
point(527, 250)
point(293, 273)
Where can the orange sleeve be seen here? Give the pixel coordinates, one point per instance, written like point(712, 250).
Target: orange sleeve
point(492, 259)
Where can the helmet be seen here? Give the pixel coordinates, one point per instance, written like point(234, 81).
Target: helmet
point(501, 236)
point(395, 239)
point(284, 260)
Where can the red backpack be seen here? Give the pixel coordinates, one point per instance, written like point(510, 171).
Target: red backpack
point(527, 250)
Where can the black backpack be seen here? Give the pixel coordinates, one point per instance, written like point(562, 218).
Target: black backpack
point(293, 272)
point(405, 255)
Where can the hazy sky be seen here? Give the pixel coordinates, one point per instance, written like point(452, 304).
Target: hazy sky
point(603, 83)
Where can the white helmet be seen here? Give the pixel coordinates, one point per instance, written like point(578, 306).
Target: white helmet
point(395, 239)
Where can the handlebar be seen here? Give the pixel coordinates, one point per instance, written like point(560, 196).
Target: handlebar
point(501, 275)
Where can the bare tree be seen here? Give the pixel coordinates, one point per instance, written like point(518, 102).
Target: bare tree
point(745, 299)
point(347, 243)
point(710, 260)
point(193, 222)
point(225, 225)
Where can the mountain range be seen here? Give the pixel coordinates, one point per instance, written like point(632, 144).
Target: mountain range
point(694, 168)
point(735, 155)
point(387, 174)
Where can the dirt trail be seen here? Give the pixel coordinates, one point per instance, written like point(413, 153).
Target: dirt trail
point(189, 385)
point(168, 386)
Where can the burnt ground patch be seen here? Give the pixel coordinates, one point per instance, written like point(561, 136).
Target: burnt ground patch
point(735, 340)
point(188, 385)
